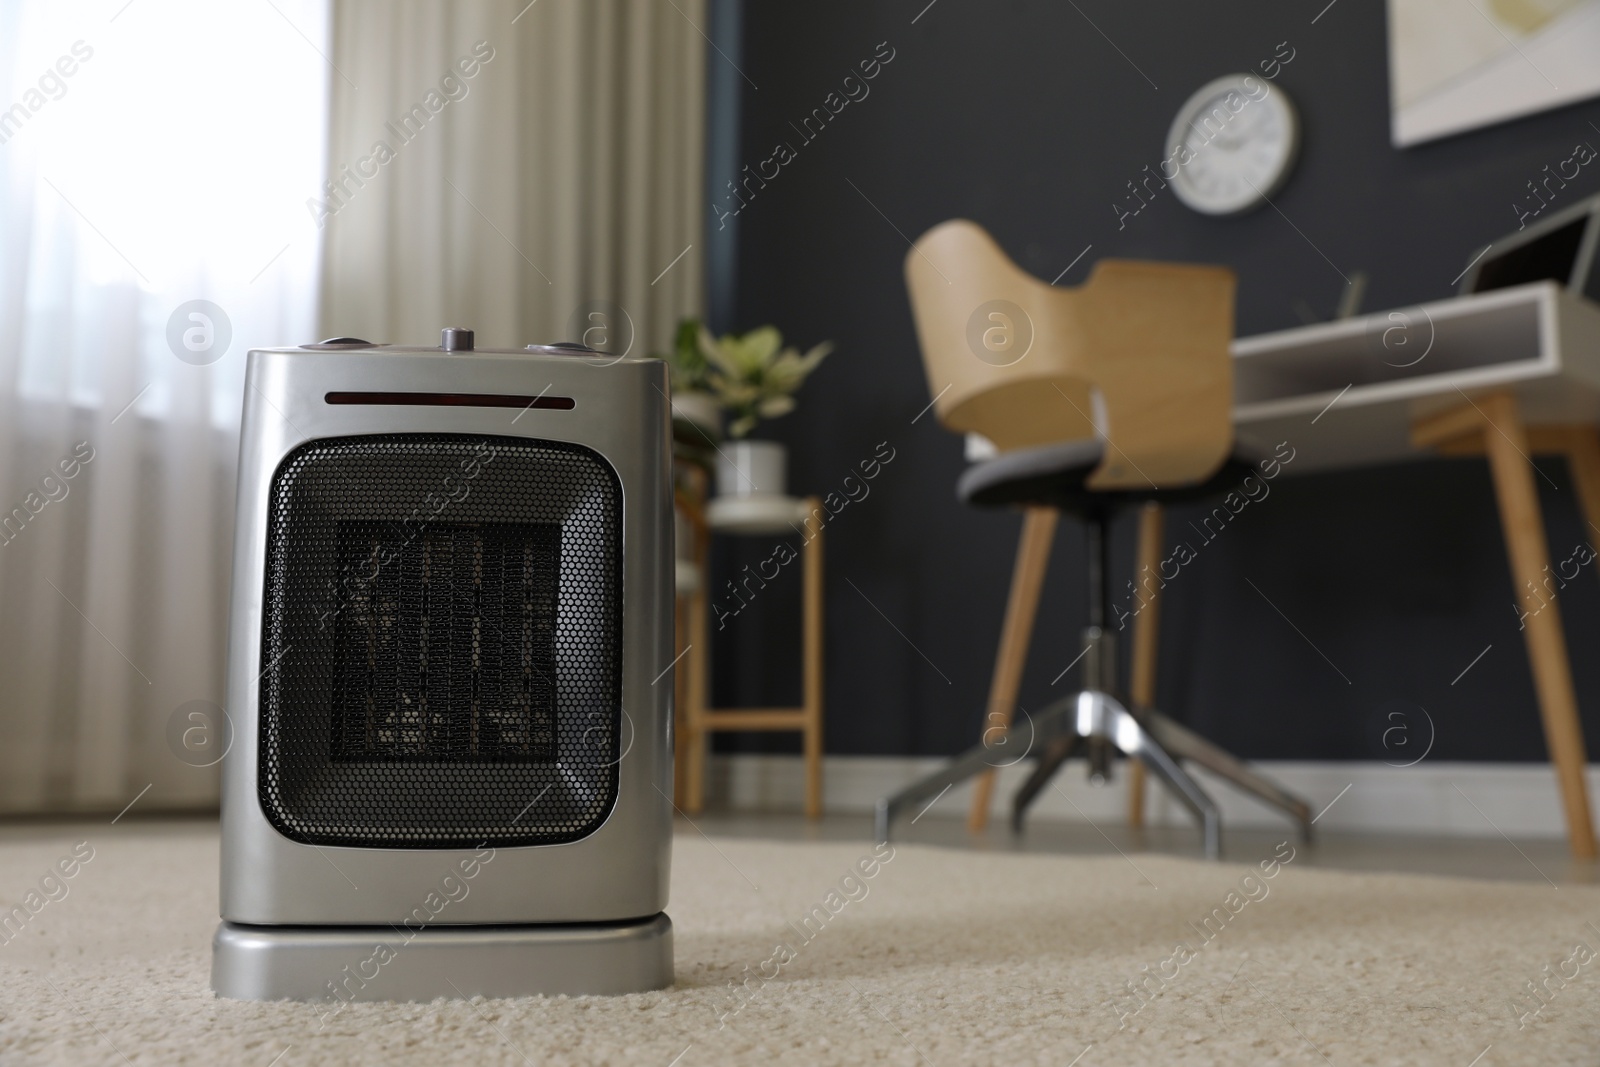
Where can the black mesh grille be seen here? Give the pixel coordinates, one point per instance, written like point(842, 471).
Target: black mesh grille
point(442, 641)
point(449, 653)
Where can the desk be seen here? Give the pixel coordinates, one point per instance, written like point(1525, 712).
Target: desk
point(1506, 374)
point(1539, 341)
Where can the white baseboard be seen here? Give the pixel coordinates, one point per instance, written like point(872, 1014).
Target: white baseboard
point(1519, 799)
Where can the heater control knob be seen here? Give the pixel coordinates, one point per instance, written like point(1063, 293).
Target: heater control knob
point(455, 339)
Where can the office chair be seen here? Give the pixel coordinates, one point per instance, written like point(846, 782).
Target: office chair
point(1113, 394)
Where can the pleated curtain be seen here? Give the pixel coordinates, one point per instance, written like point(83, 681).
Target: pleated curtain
point(190, 158)
point(151, 155)
point(553, 193)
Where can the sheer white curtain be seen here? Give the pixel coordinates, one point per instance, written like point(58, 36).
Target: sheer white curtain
point(151, 154)
point(554, 190)
point(541, 166)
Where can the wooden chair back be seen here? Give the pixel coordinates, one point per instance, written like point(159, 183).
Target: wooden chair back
point(1137, 355)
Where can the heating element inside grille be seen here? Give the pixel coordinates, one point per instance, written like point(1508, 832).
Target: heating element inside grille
point(448, 652)
point(441, 642)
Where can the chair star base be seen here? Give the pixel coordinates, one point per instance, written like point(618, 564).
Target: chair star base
point(1095, 724)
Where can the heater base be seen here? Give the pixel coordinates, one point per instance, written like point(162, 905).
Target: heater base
point(335, 964)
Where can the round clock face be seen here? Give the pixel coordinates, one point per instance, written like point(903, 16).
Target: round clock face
point(1232, 145)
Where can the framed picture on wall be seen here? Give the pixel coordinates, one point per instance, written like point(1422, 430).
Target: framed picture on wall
point(1457, 65)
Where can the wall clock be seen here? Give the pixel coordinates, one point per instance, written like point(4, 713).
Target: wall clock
point(1231, 145)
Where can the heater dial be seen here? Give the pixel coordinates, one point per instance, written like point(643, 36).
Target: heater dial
point(341, 342)
point(563, 348)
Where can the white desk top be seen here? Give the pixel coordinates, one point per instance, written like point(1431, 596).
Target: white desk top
point(1382, 371)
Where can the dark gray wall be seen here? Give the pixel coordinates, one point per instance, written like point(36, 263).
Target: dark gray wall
point(1024, 117)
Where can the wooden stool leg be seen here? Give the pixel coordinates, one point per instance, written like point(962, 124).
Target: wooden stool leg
point(1027, 576)
point(699, 659)
point(680, 702)
point(813, 666)
point(1583, 458)
point(1146, 635)
point(1506, 443)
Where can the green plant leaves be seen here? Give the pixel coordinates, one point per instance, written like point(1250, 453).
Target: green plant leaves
point(752, 375)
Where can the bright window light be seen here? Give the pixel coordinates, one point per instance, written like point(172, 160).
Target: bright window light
point(154, 153)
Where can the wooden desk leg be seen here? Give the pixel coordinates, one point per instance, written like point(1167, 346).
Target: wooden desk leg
point(1583, 457)
point(812, 658)
point(1146, 635)
point(1506, 443)
point(1027, 576)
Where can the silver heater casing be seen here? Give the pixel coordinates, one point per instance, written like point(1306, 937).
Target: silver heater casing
point(618, 873)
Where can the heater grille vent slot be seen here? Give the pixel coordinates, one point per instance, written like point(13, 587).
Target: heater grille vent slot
point(442, 641)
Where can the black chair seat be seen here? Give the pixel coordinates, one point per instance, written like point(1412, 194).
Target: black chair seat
point(1054, 475)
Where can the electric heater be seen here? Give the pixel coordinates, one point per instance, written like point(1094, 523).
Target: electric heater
point(448, 675)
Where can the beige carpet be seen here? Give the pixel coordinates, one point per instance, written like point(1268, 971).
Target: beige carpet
point(943, 957)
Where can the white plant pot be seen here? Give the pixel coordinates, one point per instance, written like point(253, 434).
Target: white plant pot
point(751, 469)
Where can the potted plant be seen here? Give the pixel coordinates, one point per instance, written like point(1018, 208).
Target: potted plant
point(696, 413)
point(751, 377)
